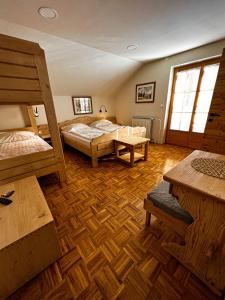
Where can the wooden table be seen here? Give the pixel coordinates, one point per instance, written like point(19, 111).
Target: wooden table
point(131, 143)
point(204, 197)
point(28, 242)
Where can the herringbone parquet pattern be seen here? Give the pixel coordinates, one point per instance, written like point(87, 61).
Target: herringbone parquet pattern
point(107, 251)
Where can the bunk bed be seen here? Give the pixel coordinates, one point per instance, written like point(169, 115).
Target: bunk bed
point(24, 81)
point(103, 143)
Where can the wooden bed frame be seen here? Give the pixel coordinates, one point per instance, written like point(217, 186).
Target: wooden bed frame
point(24, 81)
point(100, 146)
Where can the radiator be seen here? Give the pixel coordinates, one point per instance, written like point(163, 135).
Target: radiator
point(146, 122)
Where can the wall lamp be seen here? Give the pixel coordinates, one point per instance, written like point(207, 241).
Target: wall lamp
point(100, 109)
point(36, 113)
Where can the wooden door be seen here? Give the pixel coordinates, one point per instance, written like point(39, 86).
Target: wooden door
point(191, 97)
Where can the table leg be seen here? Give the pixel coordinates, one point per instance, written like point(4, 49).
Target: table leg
point(131, 156)
point(117, 149)
point(146, 151)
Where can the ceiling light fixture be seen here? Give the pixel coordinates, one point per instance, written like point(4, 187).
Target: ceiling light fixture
point(132, 47)
point(48, 13)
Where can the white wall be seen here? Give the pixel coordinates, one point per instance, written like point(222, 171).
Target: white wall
point(64, 108)
point(124, 106)
point(159, 71)
point(12, 116)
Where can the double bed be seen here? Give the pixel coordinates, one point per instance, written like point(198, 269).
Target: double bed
point(95, 136)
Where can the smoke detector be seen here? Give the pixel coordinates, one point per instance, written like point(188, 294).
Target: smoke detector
point(132, 47)
point(48, 13)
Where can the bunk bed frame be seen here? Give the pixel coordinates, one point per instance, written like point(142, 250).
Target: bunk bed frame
point(24, 81)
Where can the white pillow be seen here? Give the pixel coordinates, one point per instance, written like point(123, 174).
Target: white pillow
point(75, 126)
point(100, 123)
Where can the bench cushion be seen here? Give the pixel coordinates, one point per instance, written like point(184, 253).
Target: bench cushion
point(161, 198)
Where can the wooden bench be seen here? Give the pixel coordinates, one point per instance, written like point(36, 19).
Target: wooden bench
point(166, 208)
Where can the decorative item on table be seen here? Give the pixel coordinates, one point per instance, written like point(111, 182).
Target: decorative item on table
point(82, 105)
point(210, 166)
point(145, 92)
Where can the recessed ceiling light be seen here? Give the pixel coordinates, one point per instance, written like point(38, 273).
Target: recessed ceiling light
point(48, 12)
point(132, 47)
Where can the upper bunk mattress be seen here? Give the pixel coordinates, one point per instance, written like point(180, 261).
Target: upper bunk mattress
point(19, 143)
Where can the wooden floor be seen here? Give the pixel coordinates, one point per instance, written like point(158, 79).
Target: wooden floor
point(107, 251)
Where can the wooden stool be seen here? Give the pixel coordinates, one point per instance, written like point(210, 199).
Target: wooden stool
point(131, 142)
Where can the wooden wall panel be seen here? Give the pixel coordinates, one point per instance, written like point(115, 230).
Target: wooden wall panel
point(214, 136)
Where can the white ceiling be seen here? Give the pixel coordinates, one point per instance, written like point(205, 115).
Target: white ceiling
point(160, 27)
point(76, 69)
point(86, 45)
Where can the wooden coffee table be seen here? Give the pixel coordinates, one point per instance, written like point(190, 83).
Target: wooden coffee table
point(131, 142)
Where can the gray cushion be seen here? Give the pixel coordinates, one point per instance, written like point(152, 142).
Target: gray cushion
point(161, 198)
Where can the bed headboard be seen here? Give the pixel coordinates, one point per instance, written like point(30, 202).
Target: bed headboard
point(86, 120)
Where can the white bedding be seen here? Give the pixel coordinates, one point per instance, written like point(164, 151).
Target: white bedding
point(88, 132)
point(97, 129)
point(109, 127)
point(105, 125)
point(72, 136)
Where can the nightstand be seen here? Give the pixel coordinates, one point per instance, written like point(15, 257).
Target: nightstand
point(44, 133)
point(47, 138)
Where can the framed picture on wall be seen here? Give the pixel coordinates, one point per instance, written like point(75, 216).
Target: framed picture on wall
point(82, 105)
point(145, 92)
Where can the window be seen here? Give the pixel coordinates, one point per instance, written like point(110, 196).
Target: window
point(192, 95)
point(184, 97)
point(204, 97)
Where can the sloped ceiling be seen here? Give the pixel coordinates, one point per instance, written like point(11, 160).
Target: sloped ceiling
point(76, 69)
point(86, 45)
point(160, 28)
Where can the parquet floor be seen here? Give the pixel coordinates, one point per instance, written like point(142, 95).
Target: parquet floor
point(107, 251)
